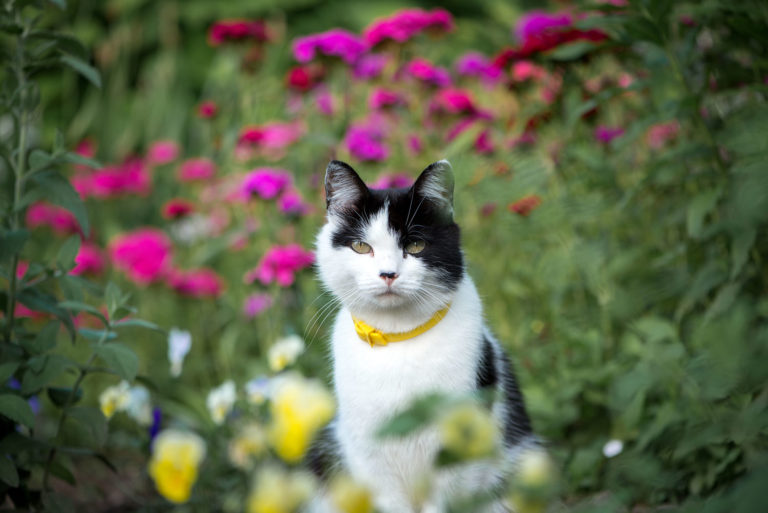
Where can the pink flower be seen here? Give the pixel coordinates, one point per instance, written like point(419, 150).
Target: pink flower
point(131, 177)
point(162, 152)
point(406, 23)
point(291, 202)
point(606, 134)
point(197, 283)
point(144, 254)
point(193, 170)
point(366, 142)
point(527, 70)
point(177, 208)
point(21, 269)
point(89, 260)
point(271, 135)
point(369, 66)
point(255, 304)
point(483, 143)
point(453, 101)
point(280, 265)
point(389, 181)
point(224, 31)
point(324, 101)
point(535, 23)
point(266, 182)
point(381, 98)
point(58, 219)
point(660, 134)
point(86, 148)
point(428, 73)
point(334, 43)
point(415, 144)
point(207, 109)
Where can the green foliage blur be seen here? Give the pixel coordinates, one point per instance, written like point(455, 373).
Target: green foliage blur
point(631, 297)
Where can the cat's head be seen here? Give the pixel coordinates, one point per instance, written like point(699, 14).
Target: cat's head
point(391, 249)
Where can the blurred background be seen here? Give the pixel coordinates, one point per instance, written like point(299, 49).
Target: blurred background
point(162, 167)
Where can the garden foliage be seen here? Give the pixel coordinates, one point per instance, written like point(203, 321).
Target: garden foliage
point(164, 161)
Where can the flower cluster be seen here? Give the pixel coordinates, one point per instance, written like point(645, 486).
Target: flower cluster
point(280, 264)
point(405, 24)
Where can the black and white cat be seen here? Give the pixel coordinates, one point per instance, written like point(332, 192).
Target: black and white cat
point(394, 260)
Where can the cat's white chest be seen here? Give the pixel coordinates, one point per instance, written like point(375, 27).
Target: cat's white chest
point(374, 383)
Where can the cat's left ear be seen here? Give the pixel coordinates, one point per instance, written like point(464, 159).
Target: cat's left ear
point(435, 184)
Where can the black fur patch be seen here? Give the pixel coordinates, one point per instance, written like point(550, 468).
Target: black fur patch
point(413, 218)
point(486, 369)
point(324, 455)
point(517, 425)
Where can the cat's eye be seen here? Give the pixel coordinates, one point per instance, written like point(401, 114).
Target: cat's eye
point(415, 247)
point(360, 247)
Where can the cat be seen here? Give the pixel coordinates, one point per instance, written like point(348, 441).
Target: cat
point(393, 259)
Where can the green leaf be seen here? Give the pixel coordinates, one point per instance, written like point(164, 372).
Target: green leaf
point(92, 420)
point(61, 470)
point(55, 188)
point(17, 409)
point(42, 370)
point(8, 473)
point(45, 340)
point(741, 244)
point(698, 209)
point(76, 158)
point(61, 4)
point(67, 253)
point(83, 68)
point(7, 369)
point(77, 306)
point(40, 160)
point(12, 242)
point(420, 413)
point(571, 51)
point(113, 298)
point(119, 358)
point(60, 395)
point(96, 335)
point(139, 323)
point(40, 301)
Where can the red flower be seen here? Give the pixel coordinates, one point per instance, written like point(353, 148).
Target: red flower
point(525, 205)
point(177, 208)
point(225, 31)
point(406, 23)
point(207, 109)
point(304, 77)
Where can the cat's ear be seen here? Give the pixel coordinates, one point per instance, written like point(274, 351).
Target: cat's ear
point(344, 190)
point(435, 184)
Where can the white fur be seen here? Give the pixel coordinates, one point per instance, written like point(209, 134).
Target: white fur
point(374, 383)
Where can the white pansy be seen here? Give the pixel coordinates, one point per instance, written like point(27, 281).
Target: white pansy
point(284, 352)
point(258, 390)
point(115, 398)
point(179, 342)
point(221, 400)
point(139, 406)
point(613, 448)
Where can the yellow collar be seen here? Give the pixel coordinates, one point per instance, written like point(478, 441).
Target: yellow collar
point(368, 333)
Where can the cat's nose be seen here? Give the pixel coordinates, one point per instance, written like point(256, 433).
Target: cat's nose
point(388, 277)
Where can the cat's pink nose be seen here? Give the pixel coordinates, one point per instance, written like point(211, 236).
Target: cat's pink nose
point(388, 278)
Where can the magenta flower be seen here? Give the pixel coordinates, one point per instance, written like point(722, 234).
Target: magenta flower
point(266, 182)
point(291, 202)
point(207, 109)
point(406, 23)
point(333, 43)
point(234, 30)
point(194, 170)
point(534, 24)
point(58, 219)
point(177, 208)
point(280, 264)
point(366, 142)
point(381, 98)
point(275, 135)
point(415, 144)
point(89, 260)
point(428, 73)
point(453, 101)
point(606, 134)
point(484, 143)
point(131, 177)
point(143, 254)
point(162, 152)
point(197, 283)
point(527, 70)
point(475, 64)
point(255, 304)
point(370, 66)
point(388, 181)
point(324, 101)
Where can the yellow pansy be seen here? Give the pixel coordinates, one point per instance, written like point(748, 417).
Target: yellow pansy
point(277, 491)
point(299, 407)
point(349, 496)
point(176, 457)
point(249, 443)
point(469, 431)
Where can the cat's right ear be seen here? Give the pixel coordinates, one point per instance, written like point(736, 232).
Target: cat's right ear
point(344, 190)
